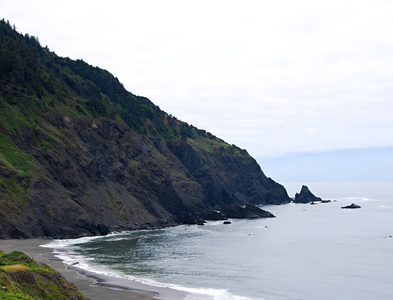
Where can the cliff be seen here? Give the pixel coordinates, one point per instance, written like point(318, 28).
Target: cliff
point(79, 155)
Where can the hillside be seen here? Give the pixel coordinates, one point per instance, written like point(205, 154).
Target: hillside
point(22, 278)
point(80, 155)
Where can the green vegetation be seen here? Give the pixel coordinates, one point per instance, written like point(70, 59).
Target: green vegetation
point(12, 118)
point(14, 157)
point(22, 278)
point(215, 146)
point(34, 80)
point(13, 196)
point(16, 257)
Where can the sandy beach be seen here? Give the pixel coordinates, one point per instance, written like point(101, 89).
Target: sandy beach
point(92, 286)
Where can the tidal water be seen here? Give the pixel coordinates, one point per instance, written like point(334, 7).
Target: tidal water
point(307, 252)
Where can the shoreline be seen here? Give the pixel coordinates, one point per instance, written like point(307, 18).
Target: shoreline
point(92, 285)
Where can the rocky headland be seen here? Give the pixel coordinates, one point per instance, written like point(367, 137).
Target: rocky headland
point(80, 155)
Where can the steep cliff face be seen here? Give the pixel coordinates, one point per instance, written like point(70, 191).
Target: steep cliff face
point(99, 175)
point(228, 178)
point(79, 155)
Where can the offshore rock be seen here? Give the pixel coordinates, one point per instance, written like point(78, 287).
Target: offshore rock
point(353, 205)
point(305, 196)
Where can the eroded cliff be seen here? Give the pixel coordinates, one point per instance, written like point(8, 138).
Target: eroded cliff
point(79, 155)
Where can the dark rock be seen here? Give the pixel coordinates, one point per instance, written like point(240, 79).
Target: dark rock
point(240, 179)
point(213, 215)
point(305, 196)
point(200, 221)
point(103, 229)
point(247, 211)
point(227, 222)
point(353, 205)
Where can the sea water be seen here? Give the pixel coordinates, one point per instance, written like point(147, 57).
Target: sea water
point(307, 252)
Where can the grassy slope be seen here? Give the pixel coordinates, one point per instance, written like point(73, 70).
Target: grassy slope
point(35, 82)
point(22, 278)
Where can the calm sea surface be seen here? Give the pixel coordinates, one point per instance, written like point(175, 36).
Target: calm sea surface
point(307, 252)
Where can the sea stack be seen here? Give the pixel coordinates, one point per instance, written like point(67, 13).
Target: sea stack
point(305, 196)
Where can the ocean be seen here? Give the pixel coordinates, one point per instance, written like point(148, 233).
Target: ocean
point(307, 252)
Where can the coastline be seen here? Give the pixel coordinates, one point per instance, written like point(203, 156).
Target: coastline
point(93, 286)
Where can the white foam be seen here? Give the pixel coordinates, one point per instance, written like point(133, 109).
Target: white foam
point(65, 250)
point(214, 294)
point(214, 223)
point(355, 198)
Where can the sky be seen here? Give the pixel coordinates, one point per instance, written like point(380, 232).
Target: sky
point(290, 81)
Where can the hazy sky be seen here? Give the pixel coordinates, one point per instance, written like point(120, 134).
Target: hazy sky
point(273, 77)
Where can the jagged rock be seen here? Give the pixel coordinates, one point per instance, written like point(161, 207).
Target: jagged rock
point(305, 196)
point(353, 205)
point(247, 211)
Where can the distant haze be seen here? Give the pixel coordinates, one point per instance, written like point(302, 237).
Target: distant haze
point(339, 165)
point(304, 86)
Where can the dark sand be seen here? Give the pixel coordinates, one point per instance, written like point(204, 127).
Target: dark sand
point(93, 286)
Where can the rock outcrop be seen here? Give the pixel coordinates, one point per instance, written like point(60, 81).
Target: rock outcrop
point(305, 196)
point(247, 211)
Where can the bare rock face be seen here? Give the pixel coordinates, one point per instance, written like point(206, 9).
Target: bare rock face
point(107, 178)
point(305, 196)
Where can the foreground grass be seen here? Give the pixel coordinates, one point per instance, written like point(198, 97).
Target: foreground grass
point(23, 279)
